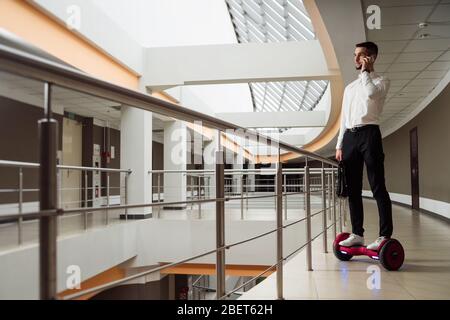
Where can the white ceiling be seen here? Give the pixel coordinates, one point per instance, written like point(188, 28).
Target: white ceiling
point(65, 100)
point(32, 92)
point(87, 105)
point(414, 65)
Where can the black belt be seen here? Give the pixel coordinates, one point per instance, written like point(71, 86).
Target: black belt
point(360, 128)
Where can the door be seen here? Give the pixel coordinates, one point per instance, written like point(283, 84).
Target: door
point(414, 158)
point(71, 155)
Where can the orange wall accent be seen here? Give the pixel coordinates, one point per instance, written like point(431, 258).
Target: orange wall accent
point(27, 22)
point(205, 268)
point(117, 273)
point(165, 96)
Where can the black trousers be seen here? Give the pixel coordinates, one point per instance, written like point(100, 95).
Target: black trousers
point(365, 146)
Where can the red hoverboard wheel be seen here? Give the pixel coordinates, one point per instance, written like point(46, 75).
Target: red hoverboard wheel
point(392, 255)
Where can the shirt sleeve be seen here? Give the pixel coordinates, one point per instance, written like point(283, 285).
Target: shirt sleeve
point(374, 90)
point(342, 126)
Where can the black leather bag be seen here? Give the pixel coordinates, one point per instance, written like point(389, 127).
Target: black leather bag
point(341, 183)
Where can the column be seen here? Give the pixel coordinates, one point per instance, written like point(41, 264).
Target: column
point(136, 154)
point(251, 177)
point(238, 163)
point(175, 158)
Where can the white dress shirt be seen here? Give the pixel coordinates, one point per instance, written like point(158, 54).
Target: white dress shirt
point(362, 102)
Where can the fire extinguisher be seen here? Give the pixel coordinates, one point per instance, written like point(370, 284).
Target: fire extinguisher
point(183, 294)
point(107, 156)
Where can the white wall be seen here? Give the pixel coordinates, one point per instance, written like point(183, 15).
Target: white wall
point(162, 23)
point(165, 23)
point(95, 26)
point(225, 97)
point(435, 206)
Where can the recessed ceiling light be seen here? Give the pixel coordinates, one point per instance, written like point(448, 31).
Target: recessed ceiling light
point(423, 25)
point(424, 35)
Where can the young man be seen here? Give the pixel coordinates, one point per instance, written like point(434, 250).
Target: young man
point(359, 142)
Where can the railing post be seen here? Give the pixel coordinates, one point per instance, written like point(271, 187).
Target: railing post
point(220, 224)
point(209, 186)
point(242, 197)
point(85, 198)
point(275, 191)
point(304, 190)
point(279, 198)
point(19, 222)
point(126, 195)
point(189, 188)
point(324, 210)
point(246, 194)
point(48, 132)
point(107, 198)
point(333, 191)
point(159, 194)
point(340, 215)
point(329, 194)
point(59, 187)
point(199, 193)
point(285, 198)
point(59, 199)
point(308, 220)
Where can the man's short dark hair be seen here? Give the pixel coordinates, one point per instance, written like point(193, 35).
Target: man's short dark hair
point(371, 47)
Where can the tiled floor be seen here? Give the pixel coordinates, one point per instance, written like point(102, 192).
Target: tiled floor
point(424, 275)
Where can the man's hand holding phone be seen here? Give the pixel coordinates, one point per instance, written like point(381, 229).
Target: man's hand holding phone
point(367, 63)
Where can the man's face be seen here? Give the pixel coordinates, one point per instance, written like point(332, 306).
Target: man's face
point(360, 53)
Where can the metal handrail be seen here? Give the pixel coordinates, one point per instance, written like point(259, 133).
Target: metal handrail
point(19, 164)
point(229, 246)
point(285, 170)
point(77, 210)
point(60, 211)
point(226, 247)
point(272, 266)
point(138, 275)
point(53, 73)
point(249, 281)
point(308, 242)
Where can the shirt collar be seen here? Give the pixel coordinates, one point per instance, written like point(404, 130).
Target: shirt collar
point(372, 74)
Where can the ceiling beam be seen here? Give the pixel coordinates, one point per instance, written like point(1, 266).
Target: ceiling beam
point(281, 119)
point(235, 63)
